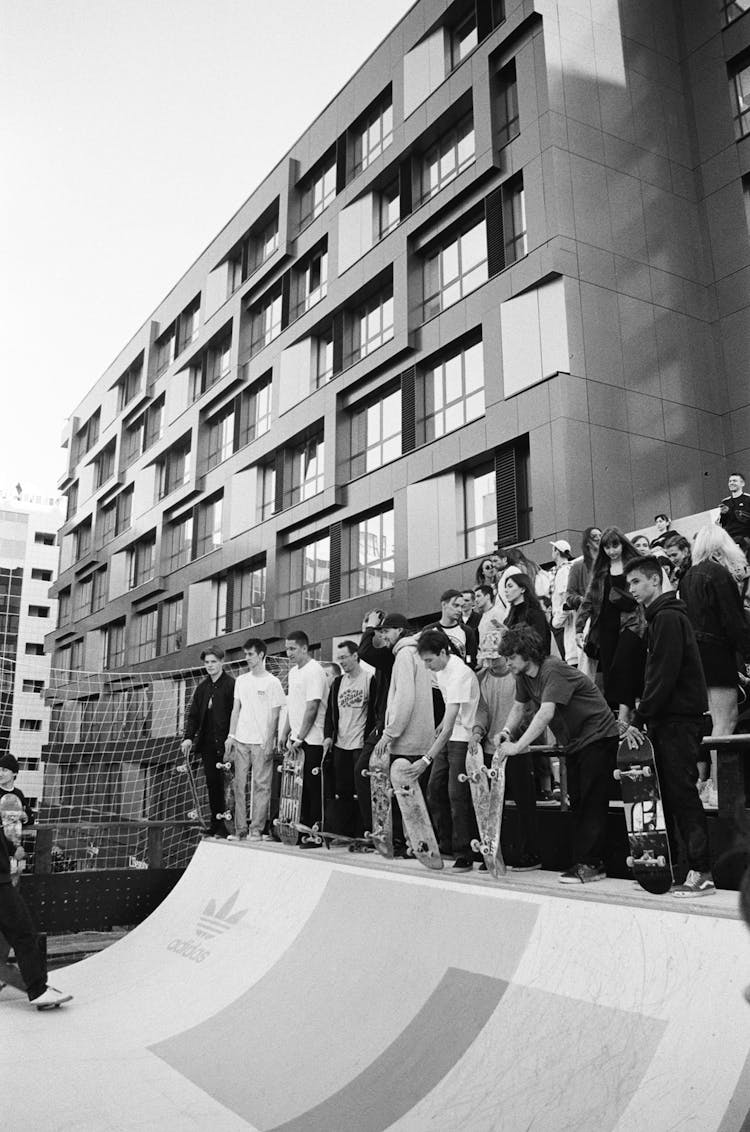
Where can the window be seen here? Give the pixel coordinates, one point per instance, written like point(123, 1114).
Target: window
point(124, 510)
point(208, 526)
point(372, 134)
point(453, 153)
point(143, 645)
point(389, 209)
point(173, 469)
point(375, 434)
point(30, 724)
point(107, 523)
point(450, 394)
point(86, 437)
point(309, 567)
point(371, 560)
point(166, 349)
point(104, 465)
point(220, 437)
point(732, 10)
point(77, 655)
point(507, 123)
point(141, 561)
point(114, 644)
point(44, 538)
point(266, 491)
point(318, 189)
point(82, 540)
point(154, 426)
point(38, 611)
point(303, 471)
point(370, 327)
point(190, 321)
point(514, 219)
point(255, 411)
point(739, 85)
point(132, 441)
point(179, 543)
point(463, 39)
point(265, 320)
point(129, 383)
point(256, 246)
point(34, 686)
point(480, 511)
point(83, 598)
point(64, 609)
point(41, 575)
point(33, 649)
point(210, 369)
point(455, 269)
point(171, 626)
point(99, 590)
point(72, 501)
point(248, 596)
point(221, 594)
point(311, 280)
point(265, 242)
point(322, 347)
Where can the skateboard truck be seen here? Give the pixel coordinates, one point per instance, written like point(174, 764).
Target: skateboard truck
point(635, 774)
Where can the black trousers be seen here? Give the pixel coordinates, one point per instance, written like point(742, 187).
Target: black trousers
point(211, 754)
point(590, 773)
point(458, 815)
point(342, 813)
point(18, 929)
point(677, 749)
point(313, 786)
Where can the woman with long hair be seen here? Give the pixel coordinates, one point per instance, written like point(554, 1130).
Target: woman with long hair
point(580, 571)
point(712, 592)
point(617, 623)
point(486, 574)
point(525, 607)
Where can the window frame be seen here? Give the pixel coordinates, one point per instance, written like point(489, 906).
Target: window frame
point(449, 142)
point(434, 303)
point(428, 410)
point(299, 597)
point(355, 578)
point(360, 444)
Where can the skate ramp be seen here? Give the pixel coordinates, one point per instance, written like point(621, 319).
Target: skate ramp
point(277, 990)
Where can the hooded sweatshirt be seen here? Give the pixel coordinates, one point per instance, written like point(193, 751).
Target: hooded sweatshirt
point(674, 684)
point(409, 717)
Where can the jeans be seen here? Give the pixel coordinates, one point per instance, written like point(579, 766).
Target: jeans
point(590, 773)
point(16, 926)
point(246, 756)
point(458, 815)
point(677, 749)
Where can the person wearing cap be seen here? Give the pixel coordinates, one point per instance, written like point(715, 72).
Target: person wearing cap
point(563, 620)
point(15, 921)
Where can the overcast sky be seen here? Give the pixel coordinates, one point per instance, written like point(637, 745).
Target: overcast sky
point(131, 130)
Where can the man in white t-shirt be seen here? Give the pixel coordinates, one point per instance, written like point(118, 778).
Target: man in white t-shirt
point(306, 711)
point(345, 727)
point(258, 699)
point(447, 754)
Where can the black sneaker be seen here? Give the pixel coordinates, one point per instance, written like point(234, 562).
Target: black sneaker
point(463, 865)
point(483, 868)
point(525, 863)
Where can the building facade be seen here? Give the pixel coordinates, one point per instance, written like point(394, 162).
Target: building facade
point(28, 568)
point(498, 289)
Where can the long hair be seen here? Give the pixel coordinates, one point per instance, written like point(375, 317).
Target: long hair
point(600, 567)
point(481, 577)
point(586, 548)
point(713, 542)
point(516, 557)
point(524, 582)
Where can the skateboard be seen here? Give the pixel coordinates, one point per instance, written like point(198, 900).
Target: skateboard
point(417, 824)
point(322, 837)
point(13, 819)
point(193, 814)
point(227, 778)
point(650, 858)
point(381, 793)
point(487, 785)
point(290, 800)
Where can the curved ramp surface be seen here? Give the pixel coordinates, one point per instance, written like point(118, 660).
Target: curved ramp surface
point(274, 991)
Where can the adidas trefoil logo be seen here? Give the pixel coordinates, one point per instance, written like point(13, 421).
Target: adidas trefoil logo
point(214, 921)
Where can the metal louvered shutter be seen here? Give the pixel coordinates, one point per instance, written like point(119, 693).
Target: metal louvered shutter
point(334, 568)
point(506, 495)
point(484, 18)
point(408, 409)
point(493, 215)
point(279, 484)
point(286, 283)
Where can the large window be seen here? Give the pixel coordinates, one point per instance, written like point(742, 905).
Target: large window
point(265, 320)
point(309, 567)
point(322, 348)
point(371, 555)
point(371, 326)
point(141, 560)
point(220, 437)
point(179, 543)
point(248, 596)
point(171, 626)
point(450, 394)
point(104, 464)
point(318, 189)
point(375, 434)
point(454, 269)
point(208, 526)
point(166, 349)
point(82, 540)
point(311, 280)
point(255, 412)
point(99, 593)
point(63, 607)
point(83, 598)
point(266, 491)
point(303, 471)
point(144, 628)
point(132, 441)
point(389, 209)
point(190, 321)
point(463, 39)
point(264, 243)
point(739, 82)
point(480, 511)
point(173, 469)
point(372, 134)
point(72, 501)
point(212, 367)
point(453, 153)
point(154, 426)
point(114, 644)
point(514, 219)
point(507, 122)
point(86, 437)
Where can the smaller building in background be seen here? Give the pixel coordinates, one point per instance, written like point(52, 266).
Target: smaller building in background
point(28, 567)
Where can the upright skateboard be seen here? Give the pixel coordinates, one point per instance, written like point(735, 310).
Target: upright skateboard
point(487, 785)
point(417, 824)
point(227, 780)
point(290, 800)
point(12, 818)
point(193, 814)
point(650, 858)
point(381, 793)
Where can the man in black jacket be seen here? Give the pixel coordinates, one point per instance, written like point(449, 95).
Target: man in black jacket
point(672, 707)
point(345, 727)
point(207, 727)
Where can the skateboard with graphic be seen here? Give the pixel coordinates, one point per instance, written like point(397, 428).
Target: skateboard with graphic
point(417, 825)
point(290, 799)
point(193, 814)
point(650, 858)
point(487, 785)
point(12, 817)
point(381, 794)
point(227, 781)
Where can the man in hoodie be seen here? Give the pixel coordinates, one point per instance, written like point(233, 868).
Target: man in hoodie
point(672, 707)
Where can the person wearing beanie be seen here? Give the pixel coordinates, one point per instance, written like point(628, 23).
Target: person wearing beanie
point(8, 770)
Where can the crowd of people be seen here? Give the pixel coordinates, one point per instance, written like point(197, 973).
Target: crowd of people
point(633, 634)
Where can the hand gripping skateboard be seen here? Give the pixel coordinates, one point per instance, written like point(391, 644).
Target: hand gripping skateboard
point(650, 857)
point(290, 799)
point(487, 785)
point(227, 779)
point(381, 793)
point(417, 824)
point(13, 817)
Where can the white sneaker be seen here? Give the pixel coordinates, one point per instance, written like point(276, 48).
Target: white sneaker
point(256, 835)
point(710, 796)
point(49, 999)
point(237, 837)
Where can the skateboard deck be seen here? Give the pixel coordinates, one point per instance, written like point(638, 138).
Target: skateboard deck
point(417, 825)
point(381, 793)
point(193, 814)
point(290, 800)
point(227, 779)
point(487, 785)
point(323, 837)
point(650, 858)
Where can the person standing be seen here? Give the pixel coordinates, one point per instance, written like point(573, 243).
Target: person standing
point(525, 607)
point(303, 729)
point(344, 731)
point(671, 708)
point(734, 509)
point(207, 727)
point(662, 523)
point(463, 638)
point(491, 620)
point(579, 717)
point(679, 552)
point(563, 621)
point(469, 616)
point(258, 699)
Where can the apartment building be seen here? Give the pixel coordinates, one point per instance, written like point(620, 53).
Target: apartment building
point(498, 289)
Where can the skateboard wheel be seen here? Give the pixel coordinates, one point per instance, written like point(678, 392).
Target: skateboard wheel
point(192, 814)
point(629, 862)
point(463, 778)
point(181, 769)
point(647, 772)
point(618, 775)
point(491, 774)
point(476, 846)
point(661, 862)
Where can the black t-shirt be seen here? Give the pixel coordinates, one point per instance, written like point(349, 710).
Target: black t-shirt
point(582, 715)
point(734, 515)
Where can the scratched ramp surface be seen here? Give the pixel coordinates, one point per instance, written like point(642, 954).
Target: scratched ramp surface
point(273, 991)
